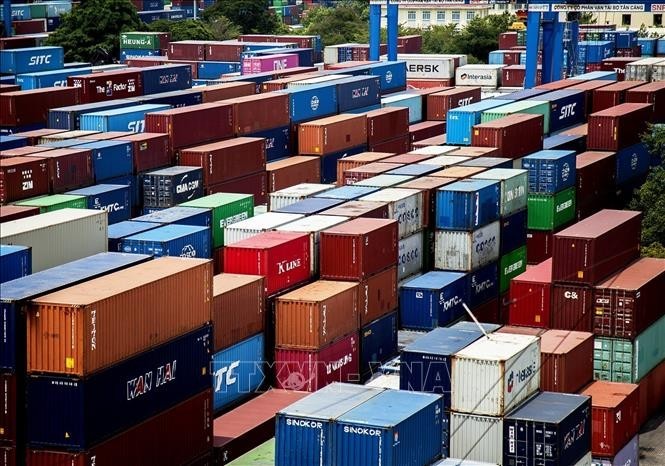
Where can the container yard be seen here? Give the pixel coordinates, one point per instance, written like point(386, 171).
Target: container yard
point(271, 250)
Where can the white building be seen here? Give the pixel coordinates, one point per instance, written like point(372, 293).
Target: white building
point(633, 20)
point(426, 13)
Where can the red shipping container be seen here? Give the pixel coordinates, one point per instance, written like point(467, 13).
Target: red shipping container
point(15, 212)
point(293, 170)
point(227, 160)
point(560, 84)
point(579, 130)
point(591, 67)
point(514, 75)
point(511, 57)
point(438, 104)
point(595, 177)
point(150, 150)
point(515, 135)
point(488, 312)
point(412, 44)
point(572, 307)
point(358, 249)
point(220, 51)
point(629, 301)
point(507, 40)
point(358, 160)
point(408, 158)
point(377, 296)
point(8, 455)
point(9, 88)
point(566, 360)
point(614, 416)
point(24, 151)
point(435, 141)
point(175, 436)
point(428, 83)
point(589, 88)
point(652, 394)
point(426, 130)
point(144, 62)
point(98, 87)
point(282, 83)
point(652, 93)
point(470, 151)
point(309, 371)
point(107, 135)
point(20, 42)
point(426, 92)
point(618, 65)
point(8, 407)
point(23, 177)
point(261, 112)
point(530, 296)
point(596, 247)
point(628, 52)
point(399, 145)
point(256, 185)
point(517, 330)
point(332, 134)
point(188, 50)
point(612, 95)
point(538, 246)
point(68, 169)
point(385, 124)
point(369, 170)
point(189, 126)
point(357, 209)
point(224, 91)
point(29, 26)
point(31, 107)
point(218, 260)
point(282, 257)
point(34, 135)
point(618, 127)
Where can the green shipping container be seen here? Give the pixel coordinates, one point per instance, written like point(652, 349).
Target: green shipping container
point(263, 455)
point(522, 106)
point(139, 40)
point(550, 211)
point(510, 266)
point(227, 208)
point(619, 360)
point(513, 188)
point(56, 202)
point(38, 10)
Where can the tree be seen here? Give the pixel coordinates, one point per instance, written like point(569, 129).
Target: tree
point(654, 139)
point(481, 35)
point(251, 16)
point(222, 28)
point(342, 24)
point(91, 31)
point(188, 29)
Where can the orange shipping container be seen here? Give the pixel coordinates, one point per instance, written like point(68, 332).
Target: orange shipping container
point(292, 171)
point(223, 91)
point(237, 308)
point(458, 172)
point(316, 315)
point(332, 134)
point(377, 296)
point(88, 327)
point(358, 160)
point(566, 360)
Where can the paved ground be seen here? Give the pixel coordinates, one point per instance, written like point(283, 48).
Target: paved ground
point(652, 440)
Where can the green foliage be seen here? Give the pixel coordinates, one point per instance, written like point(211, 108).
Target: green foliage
point(481, 35)
point(650, 200)
point(342, 24)
point(222, 28)
point(656, 250)
point(654, 139)
point(251, 16)
point(91, 31)
point(188, 29)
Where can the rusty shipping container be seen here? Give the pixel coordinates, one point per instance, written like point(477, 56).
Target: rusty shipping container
point(515, 136)
point(408, 158)
point(261, 112)
point(426, 130)
point(399, 145)
point(618, 127)
point(613, 95)
point(88, 327)
point(238, 308)
point(68, 169)
point(332, 134)
point(595, 178)
point(356, 209)
point(23, 151)
point(358, 160)
point(224, 91)
point(386, 123)
point(652, 93)
point(15, 212)
point(31, 107)
point(433, 141)
point(98, 87)
point(316, 315)
point(358, 249)
point(149, 150)
point(566, 360)
point(440, 103)
point(377, 296)
point(256, 185)
point(652, 395)
point(363, 172)
point(629, 301)
point(572, 307)
point(187, 50)
point(596, 247)
point(292, 171)
point(23, 177)
point(470, 151)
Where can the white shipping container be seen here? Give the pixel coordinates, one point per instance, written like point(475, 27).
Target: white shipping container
point(410, 256)
point(428, 66)
point(434, 150)
point(641, 70)
point(513, 188)
point(297, 193)
point(444, 161)
point(495, 374)
point(479, 75)
point(404, 205)
point(465, 251)
point(658, 72)
point(314, 224)
point(384, 181)
point(317, 80)
point(476, 438)
point(385, 381)
point(256, 225)
point(330, 54)
point(58, 237)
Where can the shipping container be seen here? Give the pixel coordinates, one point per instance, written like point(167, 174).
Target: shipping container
point(551, 211)
point(476, 439)
point(368, 170)
point(511, 265)
point(479, 75)
point(428, 186)
point(386, 123)
point(432, 300)
point(246, 112)
point(405, 206)
point(357, 92)
point(378, 343)
point(333, 134)
point(16, 262)
point(96, 87)
point(110, 159)
point(632, 164)
point(515, 136)
point(550, 171)
point(68, 168)
point(377, 296)
point(513, 232)
point(478, 152)
point(120, 119)
point(23, 177)
point(440, 103)
point(296, 193)
point(513, 185)
point(466, 251)
point(425, 130)
point(347, 193)
point(293, 170)
point(178, 215)
point(651, 394)
point(356, 209)
point(329, 161)
point(461, 120)
point(309, 206)
point(114, 199)
point(171, 186)
point(629, 454)
point(494, 375)
point(124, 229)
point(255, 185)
point(595, 181)
point(531, 107)
point(410, 255)
point(32, 59)
point(144, 40)
point(651, 93)
point(25, 108)
point(566, 360)
point(10, 425)
point(530, 296)
point(618, 127)
point(412, 102)
point(467, 205)
point(613, 95)
point(253, 226)
point(171, 240)
point(483, 286)
point(433, 141)
point(56, 202)
point(69, 117)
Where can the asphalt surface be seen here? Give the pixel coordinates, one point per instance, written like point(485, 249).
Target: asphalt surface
point(652, 440)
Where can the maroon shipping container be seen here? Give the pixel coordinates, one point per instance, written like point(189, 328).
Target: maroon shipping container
point(15, 212)
point(9, 88)
point(628, 302)
point(566, 361)
point(618, 65)
point(514, 75)
point(282, 83)
point(424, 84)
point(385, 124)
point(29, 26)
point(488, 312)
point(256, 185)
point(176, 436)
point(408, 158)
point(612, 95)
point(107, 135)
point(260, 112)
point(282, 257)
point(560, 84)
point(538, 246)
point(614, 416)
point(507, 40)
point(250, 424)
point(438, 104)
point(377, 296)
point(515, 135)
point(293, 170)
point(20, 42)
point(8, 407)
point(34, 135)
point(189, 126)
point(31, 107)
point(358, 160)
point(531, 296)
point(23, 177)
point(412, 44)
point(238, 308)
point(98, 87)
point(589, 88)
point(188, 50)
point(219, 51)
point(24, 151)
point(399, 145)
point(332, 134)
point(227, 160)
point(144, 62)
point(358, 209)
point(511, 57)
point(652, 395)
point(428, 185)
point(8, 455)
point(579, 130)
point(358, 249)
point(426, 129)
point(369, 170)
point(68, 169)
point(618, 127)
point(652, 93)
point(572, 307)
point(218, 260)
point(224, 91)
point(470, 151)
point(596, 175)
point(596, 247)
point(434, 141)
point(311, 370)
point(150, 150)
point(428, 91)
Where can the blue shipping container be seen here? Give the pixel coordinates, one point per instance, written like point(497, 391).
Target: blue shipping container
point(175, 99)
point(166, 78)
point(12, 142)
point(627, 456)
point(151, 16)
point(468, 325)
point(513, 232)
point(192, 216)
point(31, 59)
point(76, 413)
point(550, 171)
point(171, 186)
point(278, 142)
point(237, 372)
point(312, 102)
point(394, 428)
point(358, 111)
point(467, 204)
point(378, 343)
point(113, 198)
point(594, 52)
point(495, 57)
point(309, 206)
point(304, 429)
point(621, 39)
point(329, 163)
point(392, 74)
point(565, 142)
point(432, 300)
point(16, 295)
point(215, 69)
point(130, 119)
point(110, 159)
point(171, 240)
point(414, 102)
point(15, 262)
point(357, 92)
point(56, 9)
point(415, 169)
point(460, 120)
point(632, 162)
point(69, 117)
point(8, 79)
point(488, 162)
point(19, 12)
point(647, 46)
point(521, 95)
point(660, 46)
point(348, 192)
point(135, 198)
point(426, 364)
point(567, 108)
point(483, 285)
point(120, 230)
point(553, 428)
point(596, 75)
point(51, 78)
